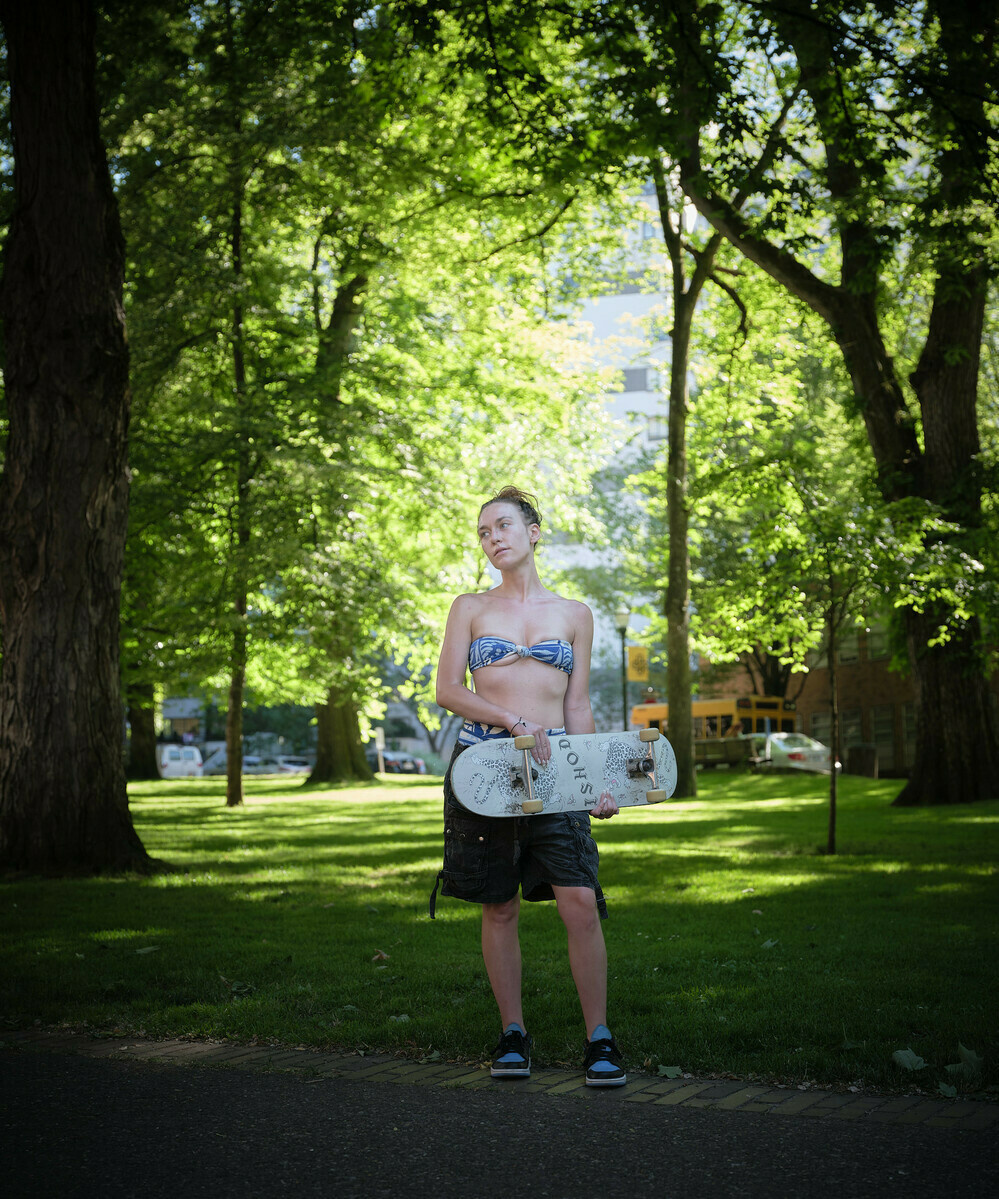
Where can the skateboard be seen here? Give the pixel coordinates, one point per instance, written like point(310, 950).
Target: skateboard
point(500, 778)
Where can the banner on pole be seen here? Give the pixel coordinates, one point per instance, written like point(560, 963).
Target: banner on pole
point(638, 664)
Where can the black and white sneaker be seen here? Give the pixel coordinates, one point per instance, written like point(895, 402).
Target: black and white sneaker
point(512, 1056)
point(603, 1063)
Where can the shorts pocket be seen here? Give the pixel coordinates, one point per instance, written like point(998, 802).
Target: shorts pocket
point(466, 857)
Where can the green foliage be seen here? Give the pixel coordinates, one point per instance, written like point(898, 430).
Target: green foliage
point(301, 186)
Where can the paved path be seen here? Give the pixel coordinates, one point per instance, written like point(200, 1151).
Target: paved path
point(121, 1117)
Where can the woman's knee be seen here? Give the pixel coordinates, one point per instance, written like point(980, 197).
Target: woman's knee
point(498, 914)
point(578, 908)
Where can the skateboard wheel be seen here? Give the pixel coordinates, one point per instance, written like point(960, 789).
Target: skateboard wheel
point(649, 734)
point(655, 796)
point(530, 806)
point(524, 742)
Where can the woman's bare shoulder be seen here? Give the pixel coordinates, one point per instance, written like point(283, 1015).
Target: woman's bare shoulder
point(577, 612)
point(469, 604)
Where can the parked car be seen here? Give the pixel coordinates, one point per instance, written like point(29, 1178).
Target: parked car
point(397, 762)
point(291, 764)
point(791, 751)
point(252, 764)
point(179, 761)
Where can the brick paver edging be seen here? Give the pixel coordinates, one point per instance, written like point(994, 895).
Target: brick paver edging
point(726, 1095)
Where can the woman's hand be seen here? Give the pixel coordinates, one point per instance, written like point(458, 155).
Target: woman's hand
point(606, 807)
point(542, 750)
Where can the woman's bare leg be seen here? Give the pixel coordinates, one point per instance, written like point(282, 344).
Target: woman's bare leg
point(501, 954)
point(587, 952)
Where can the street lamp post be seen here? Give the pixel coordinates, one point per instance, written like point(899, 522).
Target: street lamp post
point(621, 618)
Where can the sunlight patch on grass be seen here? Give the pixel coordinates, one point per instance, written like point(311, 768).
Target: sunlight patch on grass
point(734, 944)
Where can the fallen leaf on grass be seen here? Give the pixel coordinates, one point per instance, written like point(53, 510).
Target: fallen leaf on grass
point(237, 988)
point(148, 949)
point(670, 1072)
point(948, 1091)
point(970, 1065)
point(380, 956)
point(907, 1059)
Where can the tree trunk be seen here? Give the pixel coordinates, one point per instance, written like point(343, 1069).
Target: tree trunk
point(339, 753)
point(677, 603)
point(833, 723)
point(358, 760)
point(234, 715)
point(142, 763)
point(64, 491)
point(955, 759)
point(676, 607)
point(332, 755)
point(240, 527)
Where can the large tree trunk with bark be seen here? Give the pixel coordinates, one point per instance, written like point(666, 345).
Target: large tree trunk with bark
point(142, 763)
point(64, 491)
point(339, 752)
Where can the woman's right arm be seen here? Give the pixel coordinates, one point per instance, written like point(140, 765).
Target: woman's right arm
point(452, 671)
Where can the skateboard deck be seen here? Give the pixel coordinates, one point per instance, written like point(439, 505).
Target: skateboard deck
point(500, 778)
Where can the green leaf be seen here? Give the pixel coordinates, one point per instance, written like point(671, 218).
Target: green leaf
point(670, 1072)
point(907, 1059)
point(947, 1090)
point(970, 1065)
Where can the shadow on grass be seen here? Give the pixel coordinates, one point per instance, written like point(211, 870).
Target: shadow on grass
point(734, 945)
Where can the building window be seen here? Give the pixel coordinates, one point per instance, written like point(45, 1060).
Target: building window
point(851, 728)
point(822, 726)
point(877, 643)
point(849, 648)
point(636, 379)
point(657, 428)
point(883, 730)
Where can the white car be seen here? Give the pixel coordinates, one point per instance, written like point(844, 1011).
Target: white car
point(179, 761)
point(791, 751)
point(290, 764)
point(254, 764)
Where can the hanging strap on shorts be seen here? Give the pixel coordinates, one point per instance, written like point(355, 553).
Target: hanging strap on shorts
point(601, 902)
point(433, 895)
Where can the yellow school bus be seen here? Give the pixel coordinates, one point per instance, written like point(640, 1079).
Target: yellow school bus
point(724, 717)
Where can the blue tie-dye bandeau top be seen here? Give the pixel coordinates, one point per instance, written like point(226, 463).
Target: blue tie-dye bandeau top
point(498, 651)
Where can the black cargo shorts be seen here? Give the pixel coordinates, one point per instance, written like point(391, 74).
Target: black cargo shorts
point(488, 858)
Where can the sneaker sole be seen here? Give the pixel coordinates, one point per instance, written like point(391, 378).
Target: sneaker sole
point(607, 1082)
point(510, 1072)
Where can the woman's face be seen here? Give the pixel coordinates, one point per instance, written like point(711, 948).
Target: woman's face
point(504, 534)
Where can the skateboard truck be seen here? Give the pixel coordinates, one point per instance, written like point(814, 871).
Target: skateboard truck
point(529, 806)
point(648, 766)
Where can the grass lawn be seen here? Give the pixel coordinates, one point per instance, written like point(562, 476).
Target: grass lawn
point(735, 945)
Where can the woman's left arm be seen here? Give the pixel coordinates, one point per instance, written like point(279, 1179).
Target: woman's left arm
point(577, 711)
point(576, 705)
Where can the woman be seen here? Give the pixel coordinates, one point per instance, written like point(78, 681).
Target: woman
point(528, 653)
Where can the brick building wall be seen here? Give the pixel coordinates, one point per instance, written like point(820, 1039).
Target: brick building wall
point(875, 703)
